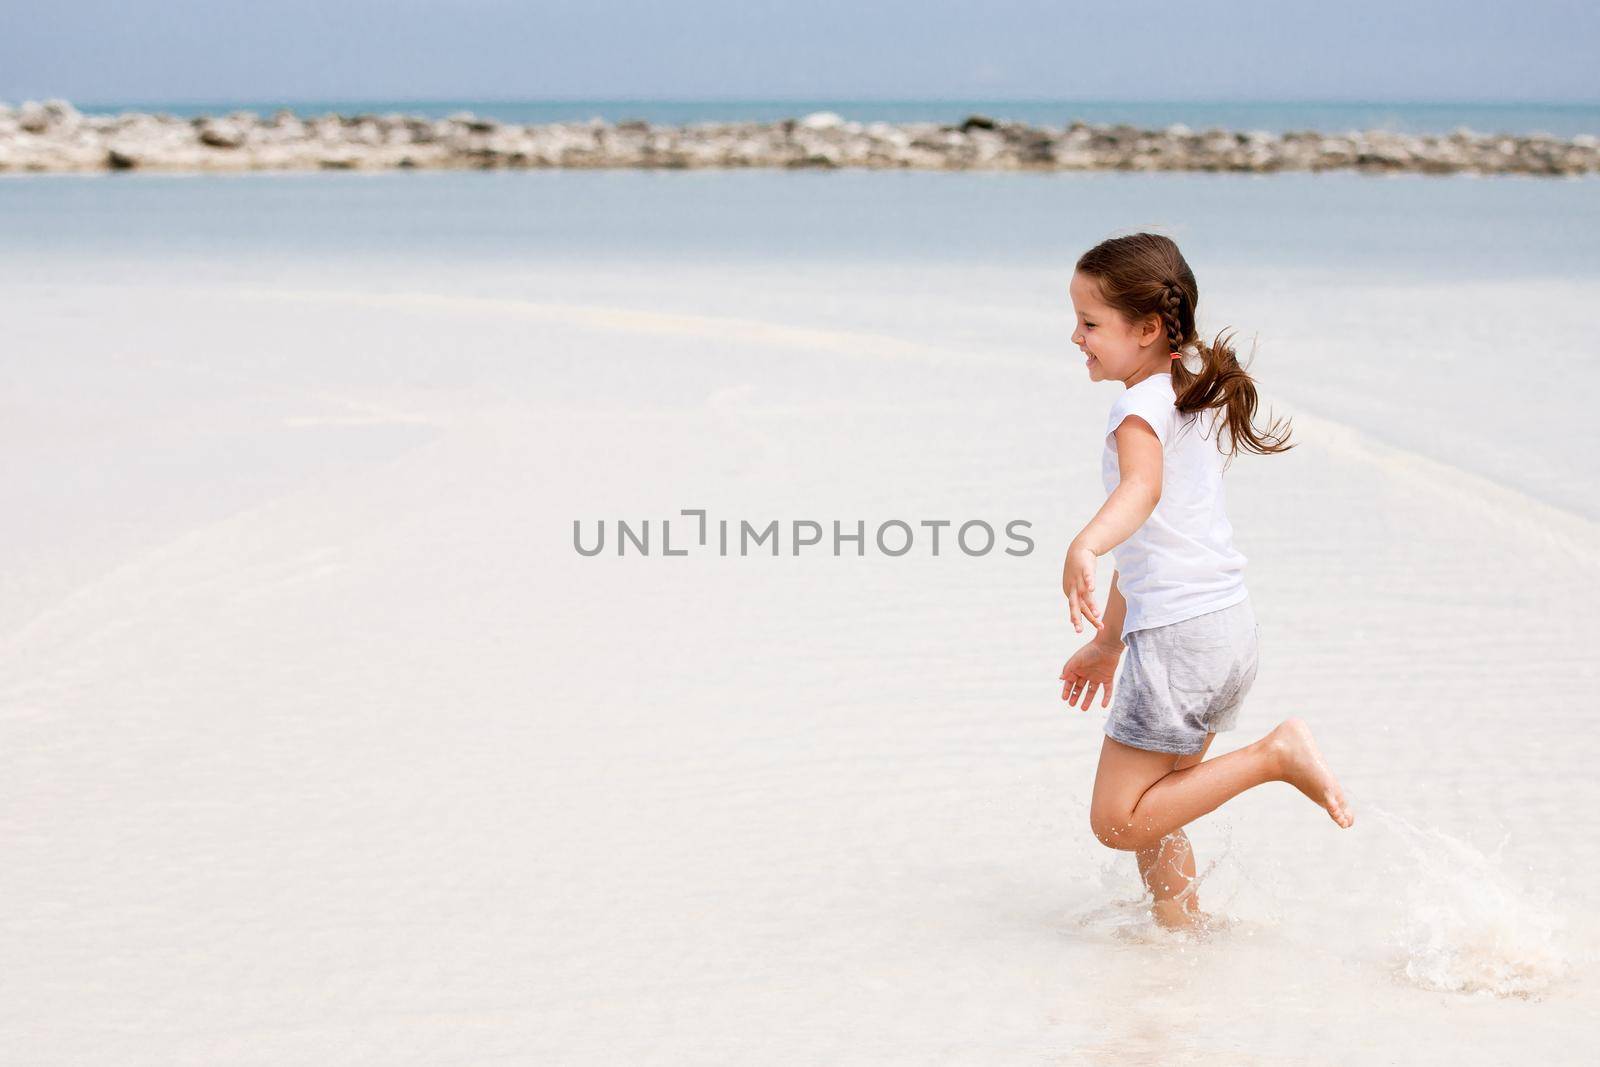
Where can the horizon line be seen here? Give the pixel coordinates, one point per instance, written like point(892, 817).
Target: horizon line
point(288, 101)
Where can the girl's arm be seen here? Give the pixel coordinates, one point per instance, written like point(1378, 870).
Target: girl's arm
point(1125, 510)
point(1139, 461)
point(1110, 634)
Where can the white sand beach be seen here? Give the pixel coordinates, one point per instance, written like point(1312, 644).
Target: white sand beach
point(322, 744)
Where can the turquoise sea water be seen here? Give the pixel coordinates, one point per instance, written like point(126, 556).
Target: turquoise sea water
point(1430, 311)
point(1400, 228)
point(1563, 120)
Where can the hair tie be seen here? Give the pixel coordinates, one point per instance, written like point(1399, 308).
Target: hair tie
point(1177, 355)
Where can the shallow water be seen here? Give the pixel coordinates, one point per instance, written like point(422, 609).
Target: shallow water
point(323, 745)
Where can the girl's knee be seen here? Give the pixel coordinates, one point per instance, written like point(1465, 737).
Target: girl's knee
point(1114, 830)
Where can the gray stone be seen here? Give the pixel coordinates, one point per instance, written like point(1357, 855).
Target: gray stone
point(53, 136)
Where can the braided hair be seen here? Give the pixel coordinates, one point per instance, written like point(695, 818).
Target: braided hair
point(1171, 314)
point(1144, 274)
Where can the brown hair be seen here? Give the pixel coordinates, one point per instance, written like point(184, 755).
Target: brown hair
point(1145, 274)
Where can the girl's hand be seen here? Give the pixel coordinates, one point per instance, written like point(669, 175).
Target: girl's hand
point(1091, 667)
point(1077, 582)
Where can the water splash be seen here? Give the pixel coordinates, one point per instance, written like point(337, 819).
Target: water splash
point(1468, 927)
point(1129, 918)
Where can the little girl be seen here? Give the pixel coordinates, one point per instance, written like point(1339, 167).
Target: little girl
point(1178, 603)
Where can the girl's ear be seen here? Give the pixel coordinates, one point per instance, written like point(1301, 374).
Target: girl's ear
point(1151, 327)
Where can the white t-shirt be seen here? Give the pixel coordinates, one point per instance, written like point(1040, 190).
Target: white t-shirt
point(1181, 562)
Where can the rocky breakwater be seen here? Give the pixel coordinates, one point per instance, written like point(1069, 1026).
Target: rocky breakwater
point(55, 136)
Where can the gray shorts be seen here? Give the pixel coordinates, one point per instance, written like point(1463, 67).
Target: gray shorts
point(1183, 681)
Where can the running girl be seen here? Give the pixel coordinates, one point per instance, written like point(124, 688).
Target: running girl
point(1178, 603)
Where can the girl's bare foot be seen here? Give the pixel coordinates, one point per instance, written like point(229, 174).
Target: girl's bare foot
point(1301, 765)
point(1186, 917)
point(1175, 916)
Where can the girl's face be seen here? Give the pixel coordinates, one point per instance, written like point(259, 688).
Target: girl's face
point(1114, 349)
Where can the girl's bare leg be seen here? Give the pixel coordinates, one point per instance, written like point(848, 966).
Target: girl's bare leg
point(1167, 867)
point(1139, 797)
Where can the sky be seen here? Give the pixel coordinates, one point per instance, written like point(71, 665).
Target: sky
point(111, 51)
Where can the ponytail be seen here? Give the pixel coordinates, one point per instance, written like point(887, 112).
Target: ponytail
point(1222, 383)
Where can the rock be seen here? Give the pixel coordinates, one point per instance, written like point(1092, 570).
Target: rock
point(223, 134)
point(368, 133)
point(822, 120)
point(473, 122)
point(53, 136)
point(62, 115)
point(32, 117)
point(815, 159)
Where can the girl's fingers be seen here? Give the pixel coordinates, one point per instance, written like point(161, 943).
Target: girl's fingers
point(1085, 598)
point(1072, 600)
point(1088, 696)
